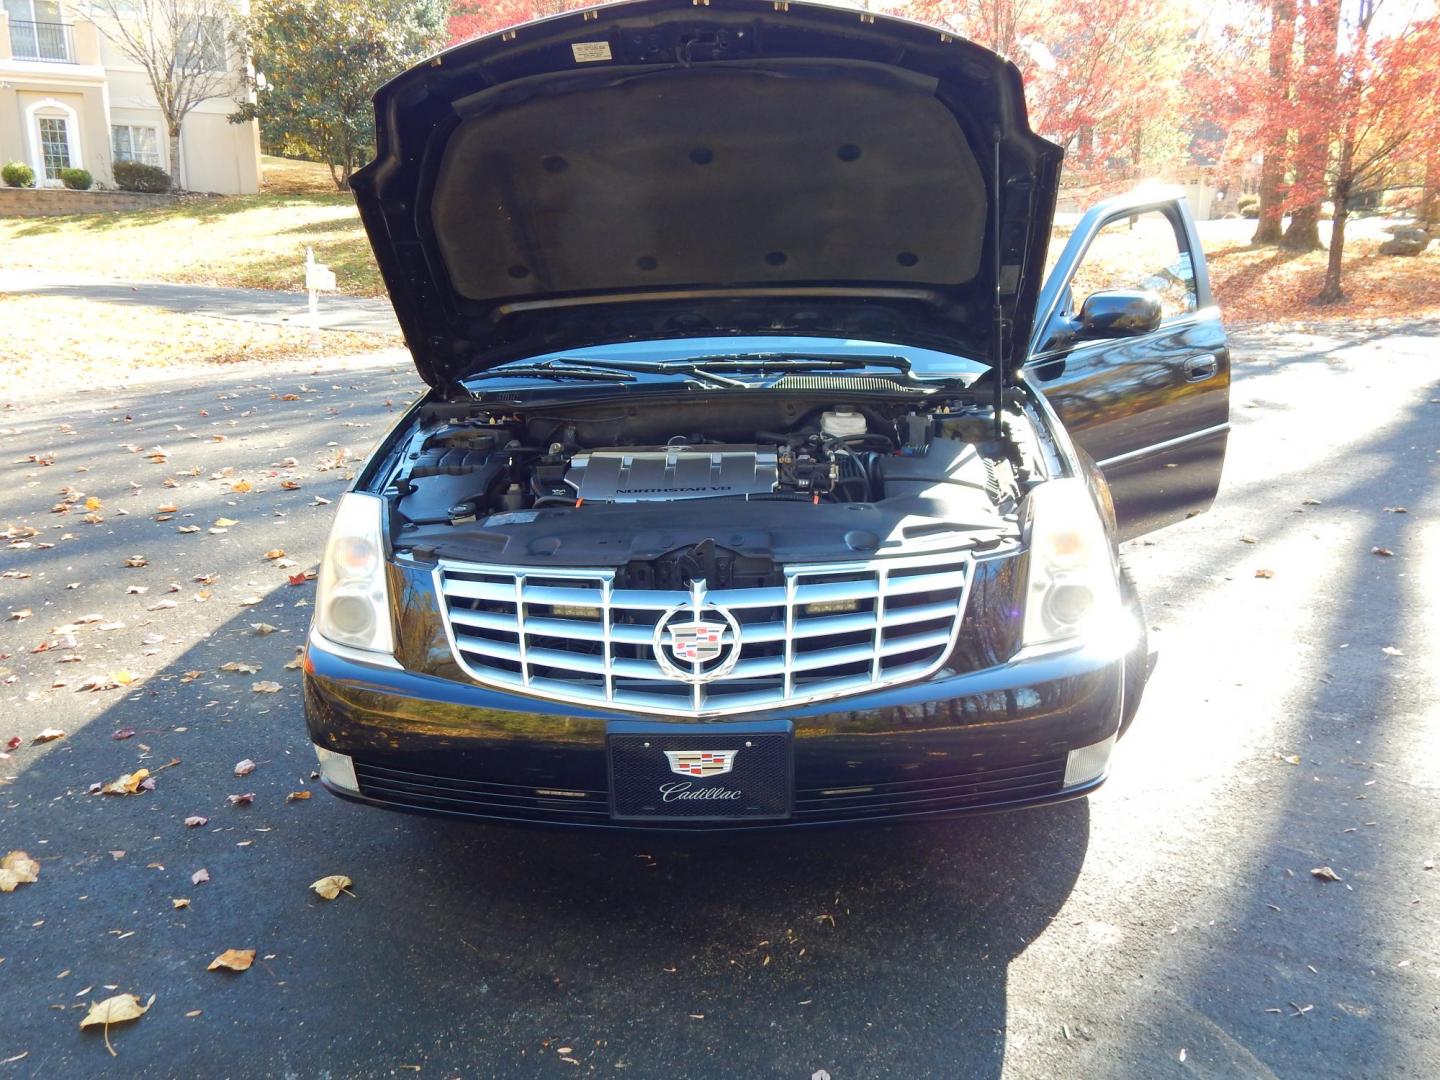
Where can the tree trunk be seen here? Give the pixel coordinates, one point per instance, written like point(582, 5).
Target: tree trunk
point(1331, 292)
point(1322, 31)
point(1429, 212)
point(1277, 133)
point(174, 130)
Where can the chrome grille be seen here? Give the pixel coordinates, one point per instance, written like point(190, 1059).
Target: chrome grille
point(830, 630)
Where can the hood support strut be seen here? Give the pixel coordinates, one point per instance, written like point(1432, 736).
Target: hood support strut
point(997, 328)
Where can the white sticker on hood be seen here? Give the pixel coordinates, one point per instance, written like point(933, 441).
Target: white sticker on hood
point(515, 517)
point(587, 52)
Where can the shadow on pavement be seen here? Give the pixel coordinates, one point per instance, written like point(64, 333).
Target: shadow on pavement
point(478, 950)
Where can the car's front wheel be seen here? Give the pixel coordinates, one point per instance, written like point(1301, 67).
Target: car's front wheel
point(1137, 660)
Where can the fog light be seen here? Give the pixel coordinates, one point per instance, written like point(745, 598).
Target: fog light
point(337, 769)
point(1088, 762)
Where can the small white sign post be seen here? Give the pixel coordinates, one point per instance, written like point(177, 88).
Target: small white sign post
point(318, 278)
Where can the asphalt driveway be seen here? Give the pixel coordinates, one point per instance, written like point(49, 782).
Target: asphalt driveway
point(1169, 926)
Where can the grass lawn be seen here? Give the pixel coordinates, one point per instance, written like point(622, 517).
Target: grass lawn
point(253, 241)
point(55, 341)
point(286, 176)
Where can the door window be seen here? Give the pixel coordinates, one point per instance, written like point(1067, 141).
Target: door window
point(1142, 251)
point(54, 145)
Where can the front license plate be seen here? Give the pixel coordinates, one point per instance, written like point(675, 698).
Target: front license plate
point(696, 773)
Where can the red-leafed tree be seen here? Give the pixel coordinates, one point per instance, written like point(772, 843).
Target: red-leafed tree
point(1275, 121)
point(1104, 79)
point(471, 18)
point(1316, 88)
point(1386, 115)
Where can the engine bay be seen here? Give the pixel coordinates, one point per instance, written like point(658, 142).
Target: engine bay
point(765, 477)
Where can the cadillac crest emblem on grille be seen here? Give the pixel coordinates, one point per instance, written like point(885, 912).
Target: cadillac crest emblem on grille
point(697, 642)
point(701, 762)
point(693, 642)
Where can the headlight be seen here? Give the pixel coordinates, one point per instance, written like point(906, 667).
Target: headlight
point(352, 603)
point(1072, 592)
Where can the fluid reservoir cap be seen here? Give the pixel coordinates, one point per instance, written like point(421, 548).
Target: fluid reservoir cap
point(841, 421)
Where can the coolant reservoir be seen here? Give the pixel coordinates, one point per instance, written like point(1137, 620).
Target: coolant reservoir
point(843, 421)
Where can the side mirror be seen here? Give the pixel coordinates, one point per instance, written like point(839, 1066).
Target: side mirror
point(1119, 313)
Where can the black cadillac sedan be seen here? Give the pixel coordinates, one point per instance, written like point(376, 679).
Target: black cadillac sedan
point(764, 479)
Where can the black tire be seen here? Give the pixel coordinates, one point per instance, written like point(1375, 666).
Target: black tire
point(1137, 660)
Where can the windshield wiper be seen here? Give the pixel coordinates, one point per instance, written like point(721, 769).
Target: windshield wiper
point(549, 370)
point(645, 367)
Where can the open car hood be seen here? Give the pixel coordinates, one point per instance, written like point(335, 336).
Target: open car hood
point(673, 168)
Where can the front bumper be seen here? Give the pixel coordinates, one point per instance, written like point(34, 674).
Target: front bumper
point(993, 739)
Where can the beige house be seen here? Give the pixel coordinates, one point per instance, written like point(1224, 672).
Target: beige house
point(70, 98)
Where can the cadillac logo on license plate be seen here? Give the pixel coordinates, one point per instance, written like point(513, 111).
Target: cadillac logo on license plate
point(701, 762)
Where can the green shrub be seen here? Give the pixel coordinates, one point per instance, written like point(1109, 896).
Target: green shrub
point(1248, 201)
point(133, 176)
point(18, 174)
point(1251, 211)
point(76, 179)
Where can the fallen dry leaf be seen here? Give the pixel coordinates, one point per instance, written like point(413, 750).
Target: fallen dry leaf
point(263, 628)
point(332, 886)
point(137, 561)
point(244, 768)
point(180, 902)
point(128, 784)
point(241, 666)
point(233, 960)
point(200, 877)
point(115, 1010)
point(265, 687)
point(225, 523)
point(241, 486)
point(241, 800)
point(1265, 573)
point(17, 868)
point(194, 821)
point(1382, 551)
point(1324, 873)
point(296, 796)
point(1391, 650)
point(275, 553)
point(50, 734)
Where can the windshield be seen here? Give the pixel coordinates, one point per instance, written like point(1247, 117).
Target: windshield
point(924, 363)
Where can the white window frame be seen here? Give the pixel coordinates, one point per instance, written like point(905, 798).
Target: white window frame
point(37, 150)
point(159, 161)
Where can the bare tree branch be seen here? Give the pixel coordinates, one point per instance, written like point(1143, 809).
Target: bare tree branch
point(183, 48)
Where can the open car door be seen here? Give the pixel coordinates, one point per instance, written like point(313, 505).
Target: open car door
point(1129, 350)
